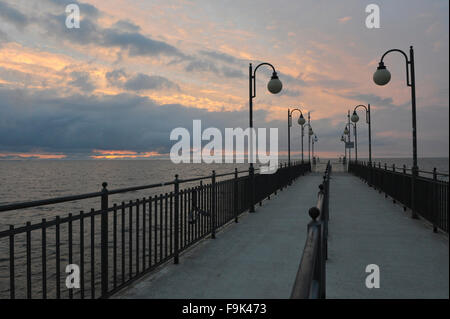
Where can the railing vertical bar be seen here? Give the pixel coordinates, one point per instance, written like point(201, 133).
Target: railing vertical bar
point(161, 228)
point(12, 286)
point(156, 230)
point(104, 261)
point(130, 240)
point(81, 254)
point(144, 238)
point(176, 221)
point(137, 235)
point(92, 249)
point(58, 270)
point(150, 232)
point(44, 258)
point(171, 223)
point(165, 224)
point(122, 224)
point(70, 237)
point(29, 292)
point(115, 245)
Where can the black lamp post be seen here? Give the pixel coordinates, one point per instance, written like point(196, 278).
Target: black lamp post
point(301, 121)
point(381, 77)
point(355, 119)
point(345, 149)
point(310, 133)
point(274, 86)
point(314, 140)
point(347, 131)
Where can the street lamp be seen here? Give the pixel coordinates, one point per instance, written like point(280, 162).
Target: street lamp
point(381, 77)
point(314, 140)
point(347, 132)
point(355, 119)
point(310, 133)
point(301, 121)
point(274, 86)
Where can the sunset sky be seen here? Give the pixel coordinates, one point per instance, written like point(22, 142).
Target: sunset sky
point(135, 70)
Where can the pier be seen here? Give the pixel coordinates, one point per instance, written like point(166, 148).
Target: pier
point(315, 230)
point(257, 257)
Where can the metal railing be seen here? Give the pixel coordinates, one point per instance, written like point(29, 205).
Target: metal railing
point(431, 196)
point(116, 244)
point(310, 282)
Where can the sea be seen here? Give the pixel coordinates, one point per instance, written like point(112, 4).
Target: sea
point(27, 180)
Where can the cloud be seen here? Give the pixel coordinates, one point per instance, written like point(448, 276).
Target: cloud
point(291, 93)
point(139, 81)
point(86, 9)
point(220, 56)
point(374, 100)
point(126, 25)
point(126, 38)
point(13, 16)
point(201, 66)
point(81, 123)
point(208, 66)
point(82, 81)
point(344, 19)
point(137, 44)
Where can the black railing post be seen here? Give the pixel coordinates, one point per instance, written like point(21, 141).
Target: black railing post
point(213, 204)
point(251, 175)
point(177, 220)
point(434, 201)
point(12, 286)
point(236, 195)
point(104, 240)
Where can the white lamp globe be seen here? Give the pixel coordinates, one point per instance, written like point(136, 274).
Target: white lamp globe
point(311, 131)
point(342, 138)
point(346, 130)
point(381, 76)
point(301, 120)
point(355, 117)
point(274, 86)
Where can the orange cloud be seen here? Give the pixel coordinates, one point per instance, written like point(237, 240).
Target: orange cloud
point(344, 19)
point(122, 154)
point(32, 155)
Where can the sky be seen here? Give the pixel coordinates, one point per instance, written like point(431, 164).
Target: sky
point(135, 70)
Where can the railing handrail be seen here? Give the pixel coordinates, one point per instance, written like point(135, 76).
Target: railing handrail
point(128, 240)
point(70, 198)
point(310, 280)
point(430, 201)
point(400, 168)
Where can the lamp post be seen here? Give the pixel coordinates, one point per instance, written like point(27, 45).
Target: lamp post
point(345, 149)
point(355, 119)
point(301, 121)
point(314, 140)
point(274, 86)
point(310, 133)
point(381, 77)
point(347, 133)
point(349, 137)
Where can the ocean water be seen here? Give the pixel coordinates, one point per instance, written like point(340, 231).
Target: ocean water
point(25, 180)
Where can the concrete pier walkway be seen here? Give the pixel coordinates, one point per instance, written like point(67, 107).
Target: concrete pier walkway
point(367, 228)
point(259, 256)
point(256, 258)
